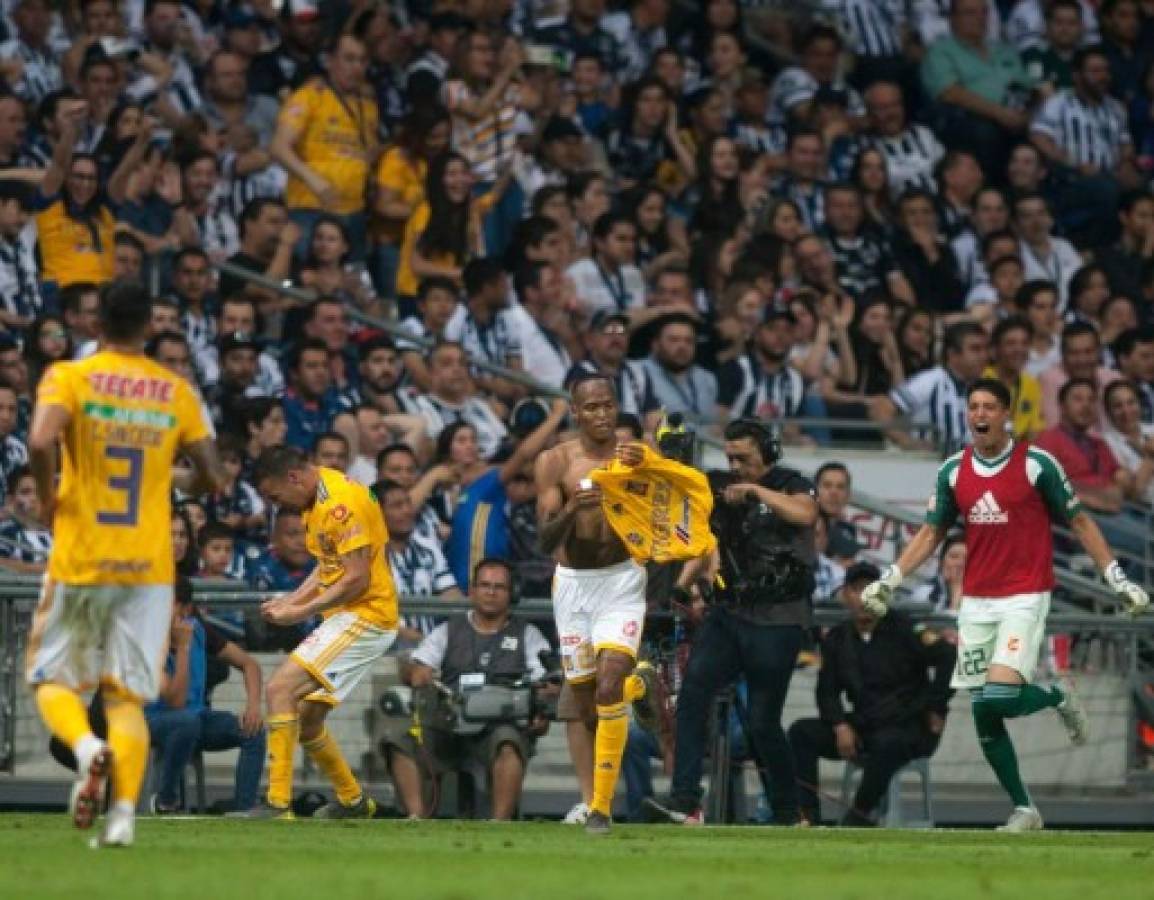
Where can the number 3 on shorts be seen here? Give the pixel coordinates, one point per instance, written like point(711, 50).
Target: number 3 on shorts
point(974, 662)
point(128, 484)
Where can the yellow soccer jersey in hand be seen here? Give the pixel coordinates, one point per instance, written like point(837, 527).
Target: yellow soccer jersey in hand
point(346, 517)
point(128, 420)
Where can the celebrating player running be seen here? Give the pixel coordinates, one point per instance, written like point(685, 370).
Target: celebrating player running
point(1007, 492)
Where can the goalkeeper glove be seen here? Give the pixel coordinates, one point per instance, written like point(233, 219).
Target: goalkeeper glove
point(1133, 597)
point(877, 594)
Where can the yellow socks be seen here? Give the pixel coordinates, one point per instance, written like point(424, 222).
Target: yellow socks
point(634, 688)
point(63, 713)
point(327, 755)
point(282, 744)
point(608, 748)
point(129, 740)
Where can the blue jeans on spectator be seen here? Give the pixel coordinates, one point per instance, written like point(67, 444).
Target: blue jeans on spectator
point(178, 733)
point(503, 218)
point(356, 227)
point(726, 647)
point(813, 407)
point(641, 748)
point(383, 267)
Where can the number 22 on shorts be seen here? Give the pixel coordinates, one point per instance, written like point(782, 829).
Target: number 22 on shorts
point(127, 484)
point(973, 662)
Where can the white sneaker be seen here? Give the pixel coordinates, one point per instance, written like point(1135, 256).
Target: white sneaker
point(1023, 818)
point(94, 763)
point(578, 815)
point(119, 829)
point(1073, 715)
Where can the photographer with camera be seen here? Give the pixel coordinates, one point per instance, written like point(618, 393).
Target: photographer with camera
point(461, 723)
point(763, 517)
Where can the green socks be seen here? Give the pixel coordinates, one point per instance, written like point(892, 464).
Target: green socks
point(992, 705)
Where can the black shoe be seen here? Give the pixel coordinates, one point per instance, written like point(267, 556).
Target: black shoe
point(670, 814)
point(597, 823)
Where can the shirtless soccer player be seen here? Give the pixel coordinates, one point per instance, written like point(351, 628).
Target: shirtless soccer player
point(598, 590)
point(1007, 494)
point(353, 589)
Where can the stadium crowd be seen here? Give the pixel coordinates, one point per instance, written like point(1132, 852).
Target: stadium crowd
point(841, 210)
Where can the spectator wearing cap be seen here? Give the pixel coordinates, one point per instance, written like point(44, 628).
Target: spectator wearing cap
point(426, 73)
point(606, 343)
point(238, 314)
point(978, 86)
point(609, 279)
point(761, 383)
point(20, 300)
point(897, 709)
point(911, 151)
point(296, 58)
point(39, 70)
point(326, 139)
point(482, 326)
point(541, 325)
point(560, 155)
point(679, 384)
point(237, 355)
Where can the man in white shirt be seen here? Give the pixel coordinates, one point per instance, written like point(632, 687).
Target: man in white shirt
point(542, 326)
point(610, 280)
point(1044, 256)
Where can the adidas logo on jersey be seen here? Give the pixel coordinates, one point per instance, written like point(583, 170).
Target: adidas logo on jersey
point(987, 512)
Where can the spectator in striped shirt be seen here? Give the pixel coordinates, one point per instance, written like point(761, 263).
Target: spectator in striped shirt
point(911, 151)
point(1084, 134)
point(761, 383)
point(39, 71)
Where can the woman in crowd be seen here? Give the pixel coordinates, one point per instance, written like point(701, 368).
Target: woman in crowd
point(915, 337)
point(1089, 289)
point(328, 272)
point(46, 342)
point(1130, 439)
point(661, 238)
point(871, 176)
point(715, 198)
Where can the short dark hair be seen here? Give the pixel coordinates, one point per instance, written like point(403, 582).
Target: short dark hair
point(1011, 323)
point(753, 429)
point(16, 476)
point(214, 531)
point(370, 345)
point(1055, 5)
point(277, 462)
point(992, 386)
point(606, 222)
point(1125, 343)
point(819, 32)
point(1084, 53)
point(1064, 392)
point(833, 466)
point(479, 273)
point(254, 209)
point(528, 276)
point(433, 283)
point(1031, 289)
point(125, 310)
point(588, 378)
point(188, 253)
point(298, 350)
point(152, 348)
point(71, 294)
point(384, 486)
point(492, 562)
point(1078, 329)
point(955, 335)
point(330, 436)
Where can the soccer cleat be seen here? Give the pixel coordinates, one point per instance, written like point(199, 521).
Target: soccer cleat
point(88, 792)
point(265, 810)
point(365, 808)
point(578, 815)
point(597, 823)
point(119, 830)
point(649, 710)
point(670, 814)
point(1023, 818)
point(1073, 715)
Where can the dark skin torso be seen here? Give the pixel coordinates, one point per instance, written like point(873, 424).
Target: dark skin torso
point(591, 544)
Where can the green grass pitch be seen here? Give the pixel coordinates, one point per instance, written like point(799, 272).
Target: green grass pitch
point(41, 856)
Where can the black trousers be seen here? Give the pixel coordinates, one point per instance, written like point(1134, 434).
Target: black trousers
point(885, 751)
point(726, 648)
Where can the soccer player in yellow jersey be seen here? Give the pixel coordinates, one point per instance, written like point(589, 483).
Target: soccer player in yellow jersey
point(119, 420)
point(353, 589)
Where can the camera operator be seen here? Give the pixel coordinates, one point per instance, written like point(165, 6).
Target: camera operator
point(898, 712)
point(763, 518)
point(486, 646)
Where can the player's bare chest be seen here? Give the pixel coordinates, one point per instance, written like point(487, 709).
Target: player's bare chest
point(578, 470)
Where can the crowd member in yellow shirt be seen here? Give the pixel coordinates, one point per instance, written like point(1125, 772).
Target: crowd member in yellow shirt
point(1010, 347)
point(400, 186)
point(326, 139)
point(76, 228)
point(353, 589)
point(115, 421)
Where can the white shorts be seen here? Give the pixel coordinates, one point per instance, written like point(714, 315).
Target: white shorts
point(1004, 631)
point(597, 609)
point(85, 635)
point(339, 653)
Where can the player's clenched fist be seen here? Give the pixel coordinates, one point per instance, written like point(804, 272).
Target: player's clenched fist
point(877, 594)
point(1134, 598)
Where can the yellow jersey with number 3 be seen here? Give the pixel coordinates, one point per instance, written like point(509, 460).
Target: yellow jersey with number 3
point(346, 517)
point(129, 417)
